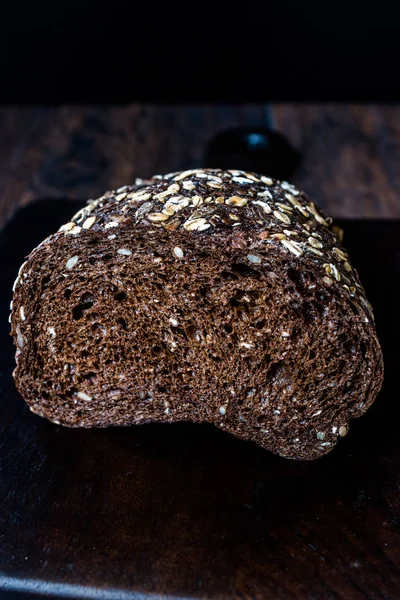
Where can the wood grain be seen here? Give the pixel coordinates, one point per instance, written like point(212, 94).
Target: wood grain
point(80, 151)
point(350, 154)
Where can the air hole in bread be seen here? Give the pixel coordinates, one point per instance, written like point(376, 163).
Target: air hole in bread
point(353, 308)
point(295, 333)
point(98, 327)
point(191, 330)
point(123, 323)
point(204, 290)
point(121, 296)
point(228, 275)
point(234, 302)
point(297, 277)
point(89, 376)
point(320, 309)
point(346, 344)
point(181, 332)
point(321, 297)
point(45, 281)
point(309, 313)
point(86, 302)
point(276, 369)
point(245, 270)
point(39, 362)
point(162, 389)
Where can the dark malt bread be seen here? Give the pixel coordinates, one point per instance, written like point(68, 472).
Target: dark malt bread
point(206, 295)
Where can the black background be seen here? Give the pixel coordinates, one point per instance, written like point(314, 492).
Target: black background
point(73, 51)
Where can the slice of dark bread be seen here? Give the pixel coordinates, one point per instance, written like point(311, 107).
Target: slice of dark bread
point(206, 295)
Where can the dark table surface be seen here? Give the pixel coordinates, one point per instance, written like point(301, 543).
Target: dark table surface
point(186, 511)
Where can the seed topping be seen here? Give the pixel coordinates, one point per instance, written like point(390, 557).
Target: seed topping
point(71, 262)
point(87, 224)
point(253, 258)
point(196, 200)
point(178, 252)
point(294, 247)
point(84, 396)
point(282, 217)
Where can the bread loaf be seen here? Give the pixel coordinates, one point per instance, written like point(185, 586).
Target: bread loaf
point(206, 296)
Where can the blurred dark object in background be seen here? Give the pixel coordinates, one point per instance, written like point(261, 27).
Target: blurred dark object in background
point(82, 50)
point(257, 149)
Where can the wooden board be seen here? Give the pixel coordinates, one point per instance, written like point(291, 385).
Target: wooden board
point(187, 511)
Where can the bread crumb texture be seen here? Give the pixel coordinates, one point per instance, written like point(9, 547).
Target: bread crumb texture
point(206, 296)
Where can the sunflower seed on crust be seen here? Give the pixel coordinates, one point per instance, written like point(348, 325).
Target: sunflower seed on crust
point(67, 226)
point(294, 247)
point(265, 194)
point(282, 217)
point(185, 174)
point(284, 207)
point(236, 201)
point(315, 251)
point(88, 223)
point(157, 217)
point(347, 267)
point(266, 207)
point(314, 243)
point(339, 254)
point(267, 180)
point(199, 224)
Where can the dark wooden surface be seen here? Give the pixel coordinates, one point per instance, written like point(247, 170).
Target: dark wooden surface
point(351, 154)
point(185, 511)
